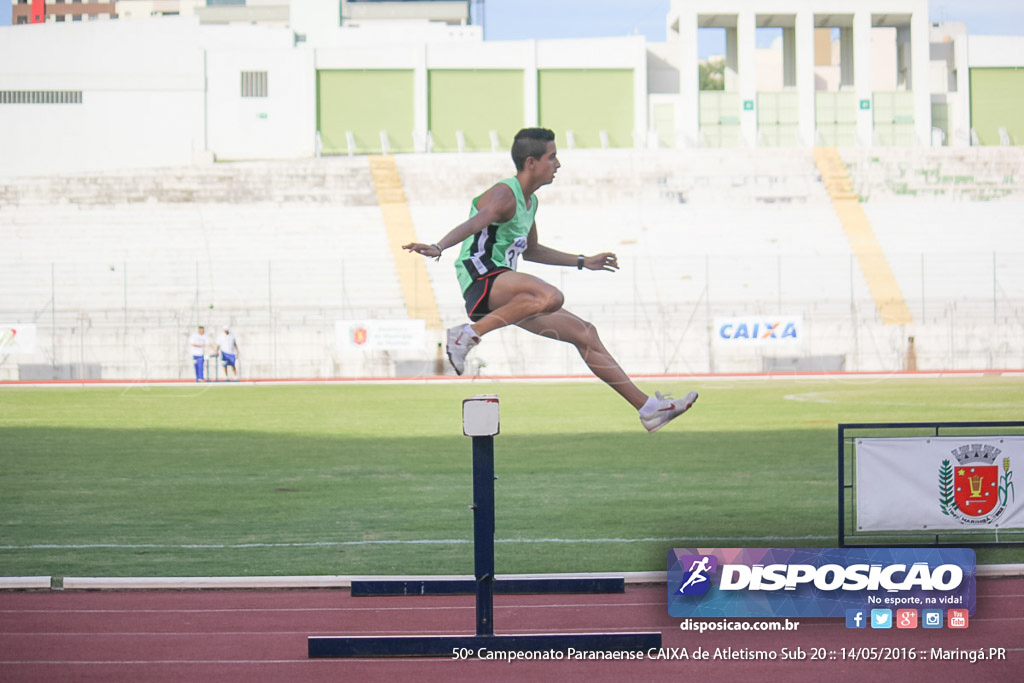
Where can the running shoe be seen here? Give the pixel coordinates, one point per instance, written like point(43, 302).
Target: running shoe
point(666, 410)
point(460, 340)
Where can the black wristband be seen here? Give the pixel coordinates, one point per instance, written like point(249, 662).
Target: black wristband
point(579, 262)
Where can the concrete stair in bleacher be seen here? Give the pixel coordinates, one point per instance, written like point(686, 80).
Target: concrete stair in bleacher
point(398, 227)
point(874, 263)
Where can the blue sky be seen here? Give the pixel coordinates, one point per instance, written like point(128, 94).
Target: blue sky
point(521, 19)
point(524, 19)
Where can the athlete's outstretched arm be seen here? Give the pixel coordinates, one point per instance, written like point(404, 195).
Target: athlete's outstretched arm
point(497, 205)
point(538, 253)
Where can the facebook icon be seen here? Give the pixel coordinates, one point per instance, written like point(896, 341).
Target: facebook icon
point(856, 618)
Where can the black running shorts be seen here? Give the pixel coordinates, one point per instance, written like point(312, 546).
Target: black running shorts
point(478, 295)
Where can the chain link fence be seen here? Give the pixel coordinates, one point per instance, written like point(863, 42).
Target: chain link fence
point(131, 321)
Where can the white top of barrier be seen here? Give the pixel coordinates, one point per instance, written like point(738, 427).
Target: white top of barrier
point(480, 415)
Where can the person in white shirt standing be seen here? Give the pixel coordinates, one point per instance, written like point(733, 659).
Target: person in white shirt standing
point(198, 343)
point(227, 347)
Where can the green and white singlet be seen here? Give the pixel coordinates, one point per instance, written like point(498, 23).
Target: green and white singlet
point(498, 246)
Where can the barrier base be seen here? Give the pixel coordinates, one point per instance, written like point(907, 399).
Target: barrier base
point(476, 647)
point(370, 588)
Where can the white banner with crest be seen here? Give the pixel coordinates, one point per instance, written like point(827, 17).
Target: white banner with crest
point(938, 483)
point(20, 339)
point(381, 335)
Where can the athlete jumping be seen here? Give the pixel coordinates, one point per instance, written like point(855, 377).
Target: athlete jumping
point(500, 229)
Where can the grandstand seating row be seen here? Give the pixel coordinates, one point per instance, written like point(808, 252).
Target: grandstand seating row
point(974, 174)
point(116, 269)
point(334, 180)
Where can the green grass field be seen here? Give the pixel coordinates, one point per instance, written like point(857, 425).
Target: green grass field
point(261, 480)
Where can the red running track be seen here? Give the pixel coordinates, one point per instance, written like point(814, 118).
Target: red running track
point(254, 636)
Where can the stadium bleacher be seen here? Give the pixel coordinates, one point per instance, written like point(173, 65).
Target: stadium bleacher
point(116, 269)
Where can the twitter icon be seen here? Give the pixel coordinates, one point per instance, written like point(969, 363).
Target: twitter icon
point(881, 618)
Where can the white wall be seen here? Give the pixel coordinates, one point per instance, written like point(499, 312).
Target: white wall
point(163, 92)
point(995, 51)
point(279, 126)
point(167, 91)
point(142, 96)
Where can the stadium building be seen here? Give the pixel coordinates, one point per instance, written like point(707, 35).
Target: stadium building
point(360, 77)
point(57, 11)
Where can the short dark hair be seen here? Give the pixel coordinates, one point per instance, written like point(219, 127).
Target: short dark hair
point(530, 142)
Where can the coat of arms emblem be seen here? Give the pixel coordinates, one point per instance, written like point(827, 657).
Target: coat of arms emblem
point(974, 491)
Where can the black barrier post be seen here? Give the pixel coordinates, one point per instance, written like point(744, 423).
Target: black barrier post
point(483, 532)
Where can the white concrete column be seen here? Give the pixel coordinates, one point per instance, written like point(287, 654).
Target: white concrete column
point(316, 20)
point(960, 115)
point(862, 76)
point(306, 109)
point(805, 84)
point(746, 44)
point(640, 119)
point(688, 111)
point(420, 100)
point(920, 57)
point(531, 100)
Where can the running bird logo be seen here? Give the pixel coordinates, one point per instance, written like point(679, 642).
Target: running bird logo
point(695, 579)
point(973, 491)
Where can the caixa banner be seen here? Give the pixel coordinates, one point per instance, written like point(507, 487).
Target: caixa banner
point(756, 330)
point(817, 582)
